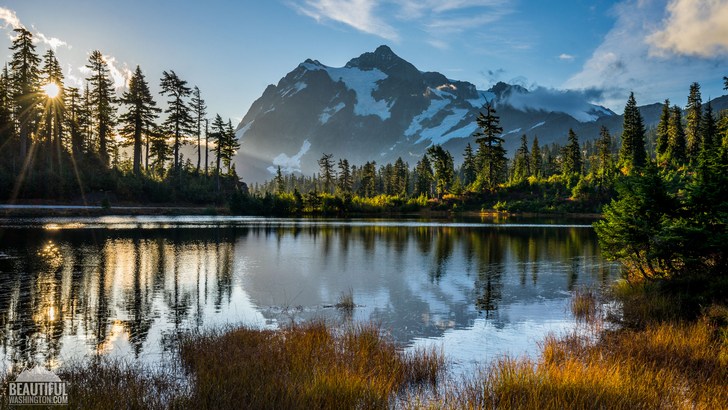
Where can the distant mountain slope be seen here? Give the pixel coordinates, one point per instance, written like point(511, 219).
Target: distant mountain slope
point(380, 107)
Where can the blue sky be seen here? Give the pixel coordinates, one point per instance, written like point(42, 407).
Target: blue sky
point(233, 49)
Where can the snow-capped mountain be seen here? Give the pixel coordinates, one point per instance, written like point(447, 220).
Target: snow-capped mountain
point(380, 107)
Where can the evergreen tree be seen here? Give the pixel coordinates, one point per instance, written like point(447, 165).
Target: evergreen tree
point(522, 161)
point(693, 118)
point(444, 174)
point(536, 159)
point(491, 157)
point(102, 103)
point(469, 168)
point(179, 122)
point(368, 186)
point(345, 181)
point(7, 130)
point(86, 120)
point(25, 78)
point(401, 174)
point(139, 120)
point(218, 136)
point(326, 165)
point(709, 129)
point(230, 145)
point(605, 161)
point(571, 155)
point(159, 150)
point(280, 183)
point(676, 150)
point(632, 153)
point(199, 110)
point(54, 107)
point(73, 107)
point(423, 177)
point(663, 132)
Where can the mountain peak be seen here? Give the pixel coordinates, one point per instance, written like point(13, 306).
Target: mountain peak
point(385, 60)
point(502, 90)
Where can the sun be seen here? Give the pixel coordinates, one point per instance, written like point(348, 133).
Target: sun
point(51, 90)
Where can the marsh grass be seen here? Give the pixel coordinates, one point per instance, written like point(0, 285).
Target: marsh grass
point(346, 302)
point(301, 367)
point(584, 305)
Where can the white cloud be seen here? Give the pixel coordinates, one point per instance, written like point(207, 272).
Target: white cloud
point(625, 62)
point(52, 42)
point(566, 57)
point(72, 79)
point(358, 14)
point(693, 27)
point(121, 74)
point(290, 164)
point(9, 18)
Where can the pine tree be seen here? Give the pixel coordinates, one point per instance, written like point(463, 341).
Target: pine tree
point(140, 118)
point(368, 185)
point(444, 174)
point(709, 130)
point(102, 103)
point(7, 129)
point(423, 177)
point(536, 159)
point(491, 157)
point(663, 132)
point(159, 150)
point(676, 150)
point(632, 153)
point(522, 161)
point(230, 145)
point(469, 168)
point(54, 107)
point(572, 155)
point(326, 165)
point(179, 121)
point(25, 78)
point(199, 110)
point(73, 109)
point(400, 177)
point(218, 136)
point(280, 182)
point(605, 161)
point(345, 181)
point(85, 120)
point(693, 117)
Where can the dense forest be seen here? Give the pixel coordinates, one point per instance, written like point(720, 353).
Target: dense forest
point(90, 144)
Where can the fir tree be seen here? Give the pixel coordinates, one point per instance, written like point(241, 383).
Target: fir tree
point(469, 168)
point(632, 153)
point(605, 161)
point(572, 155)
point(230, 146)
point(663, 132)
point(6, 111)
point(444, 172)
point(522, 161)
point(345, 181)
point(179, 121)
point(25, 77)
point(676, 149)
point(423, 177)
point(218, 136)
point(54, 106)
point(102, 103)
point(491, 157)
point(280, 183)
point(709, 130)
point(536, 159)
point(693, 118)
point(326, 165)
point(368, 186)
point(199, 110)
point(139, 120)
point(400, 177)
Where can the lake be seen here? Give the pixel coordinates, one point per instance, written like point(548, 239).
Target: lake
point(126, 286)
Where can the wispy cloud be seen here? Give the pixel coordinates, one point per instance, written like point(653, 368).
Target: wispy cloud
point(359, 14)
point(625, 60)
point(9, 18)
point(566, 57)
point(693, 27)
point(439, 19)
point(52, 42)
point(120, 73)
point(577, 103)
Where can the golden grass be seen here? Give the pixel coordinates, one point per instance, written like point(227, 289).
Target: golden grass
point(584, 305)
point(302, 367)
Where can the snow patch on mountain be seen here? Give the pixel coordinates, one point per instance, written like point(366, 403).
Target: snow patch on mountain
point(448, 129)
point(537, 125)
point(240, 133)
point(289, 164)
point(330, 112)
point(514, 131)
point(290, 92)
point(363, 83)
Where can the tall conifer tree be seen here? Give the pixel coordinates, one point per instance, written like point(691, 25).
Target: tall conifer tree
point(694, 116)
point(139, 120)
point(103, 99)
point(179, 120)
point(632, 153)
point(25, 78)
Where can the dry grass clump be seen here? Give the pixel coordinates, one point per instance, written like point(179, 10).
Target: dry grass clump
point(301, 367)
point(346, 302)
point(584, 305)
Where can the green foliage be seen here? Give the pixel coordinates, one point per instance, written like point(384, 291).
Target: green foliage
point(632, 154)
point(491, 156)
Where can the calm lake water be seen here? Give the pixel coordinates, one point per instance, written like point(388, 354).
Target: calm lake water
point(125, 286)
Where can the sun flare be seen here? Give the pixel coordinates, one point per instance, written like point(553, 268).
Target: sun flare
point(51, 90)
